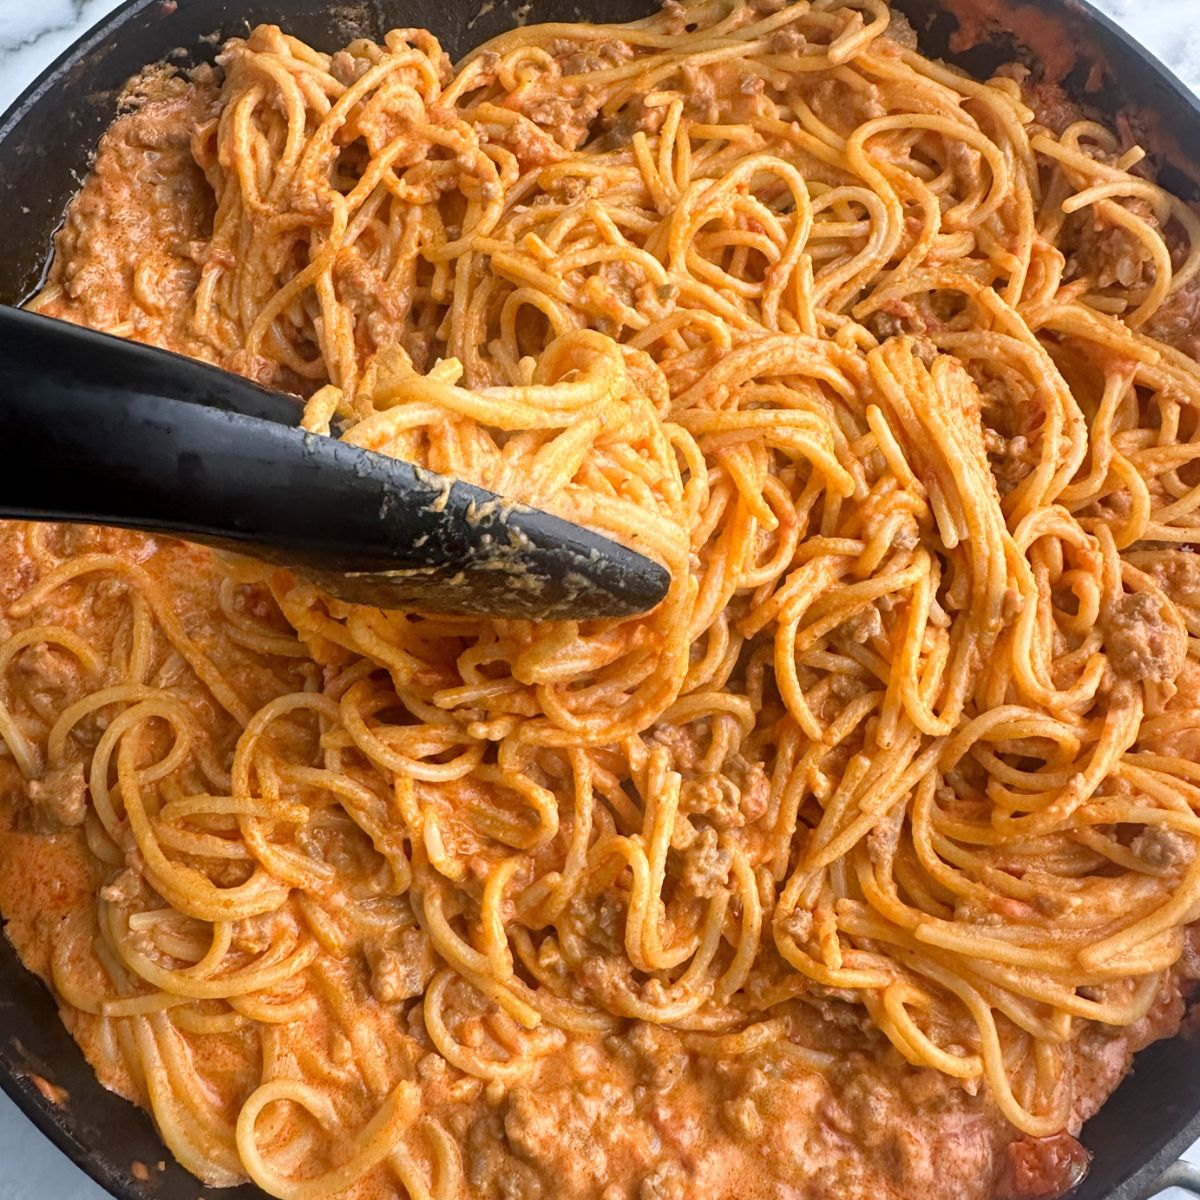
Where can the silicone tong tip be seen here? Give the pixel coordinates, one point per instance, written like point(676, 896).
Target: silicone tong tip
point(110, 432)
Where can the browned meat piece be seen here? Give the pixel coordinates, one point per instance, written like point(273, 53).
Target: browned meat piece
point(1140, 640)
point(348, 68)
point(701, 93)
point(675, 16)
point(705, 865)
point(567, 118)
point(1178, 321)
point(900, 30)
point(786, 41)
point(124, 889)
point(1163, 847)
point(403, 971)
point(1109, 254)
point(666, 1182)
point(59, 798)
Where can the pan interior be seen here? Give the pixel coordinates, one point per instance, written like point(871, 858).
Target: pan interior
point(1156, 1112)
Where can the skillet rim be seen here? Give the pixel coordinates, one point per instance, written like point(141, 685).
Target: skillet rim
point(23, 991)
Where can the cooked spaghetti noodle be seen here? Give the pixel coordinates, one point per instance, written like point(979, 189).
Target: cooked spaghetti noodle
point(889, 810)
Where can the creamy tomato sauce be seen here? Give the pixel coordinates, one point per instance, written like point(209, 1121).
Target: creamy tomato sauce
point(631, 1115)
point(635, 1115)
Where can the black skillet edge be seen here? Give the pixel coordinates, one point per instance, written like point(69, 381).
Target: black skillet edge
point(46, 140)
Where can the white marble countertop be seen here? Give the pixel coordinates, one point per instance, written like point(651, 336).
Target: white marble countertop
point(32, 34)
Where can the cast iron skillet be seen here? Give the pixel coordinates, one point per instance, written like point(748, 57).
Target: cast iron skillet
point(45, 143)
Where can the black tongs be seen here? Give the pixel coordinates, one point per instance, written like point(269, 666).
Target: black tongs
point(104, 431)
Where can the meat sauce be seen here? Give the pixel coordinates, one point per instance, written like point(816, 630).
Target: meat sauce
point(637, 1118)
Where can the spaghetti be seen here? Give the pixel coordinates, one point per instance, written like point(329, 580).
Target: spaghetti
point(901, 773)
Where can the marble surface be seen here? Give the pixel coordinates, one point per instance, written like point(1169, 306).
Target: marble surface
point(32, 34)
